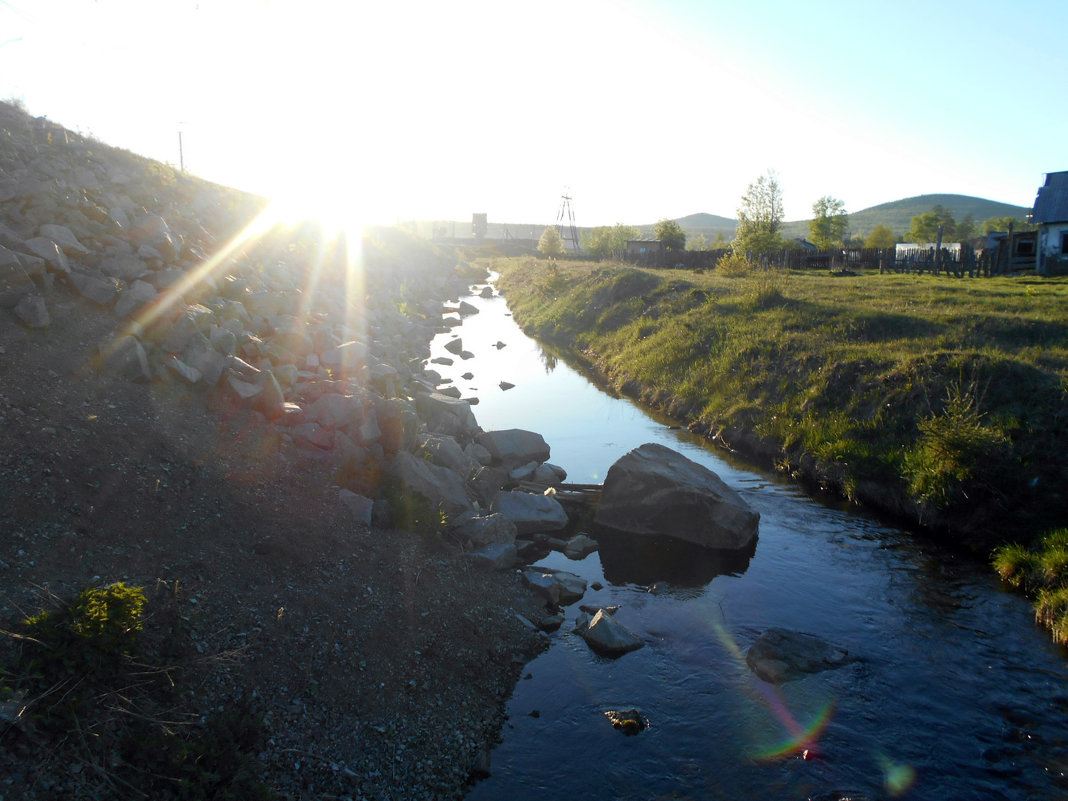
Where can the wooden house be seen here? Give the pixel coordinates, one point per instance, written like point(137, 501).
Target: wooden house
point(1050, 214)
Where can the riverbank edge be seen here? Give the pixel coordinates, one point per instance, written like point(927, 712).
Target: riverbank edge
point(890, 502)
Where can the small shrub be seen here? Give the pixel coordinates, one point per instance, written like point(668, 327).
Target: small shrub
point(101, 679)
point(768, 286)
point(956, 453)
point(735, 265)
point(93, 632)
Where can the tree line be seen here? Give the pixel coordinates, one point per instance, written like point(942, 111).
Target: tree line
point(760, 225)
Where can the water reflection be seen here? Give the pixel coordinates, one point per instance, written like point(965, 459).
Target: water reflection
point(645, 560)
point(549, 359)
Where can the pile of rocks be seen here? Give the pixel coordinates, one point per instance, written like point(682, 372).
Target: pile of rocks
point(326, 367)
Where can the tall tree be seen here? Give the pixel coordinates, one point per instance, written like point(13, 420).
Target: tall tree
point(760, 217)
point(946, 220)
point(966, 228)
point(671, 234)
point(1003, 223)
point(551, 243)
point(828, 222)
point(880, 237)
point(924, 227)
point(604, 240)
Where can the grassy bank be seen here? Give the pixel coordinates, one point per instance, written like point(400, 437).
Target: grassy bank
point(937, 400)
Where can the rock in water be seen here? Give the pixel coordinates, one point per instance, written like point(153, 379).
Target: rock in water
point(628, 721)
point(608, 637)
point(655, 490)
point(781, 655)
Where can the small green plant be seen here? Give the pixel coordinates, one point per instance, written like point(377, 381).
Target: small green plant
point(101, 678)
point(1018, 566)
point(956, 452)
point(92, 632)
point(1051, 611)
point(767, 289)
point(1041, 572)
point(735, 265)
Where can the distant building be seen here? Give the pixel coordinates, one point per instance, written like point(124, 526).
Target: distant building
point(479, 225)
point(1015, 253)
point(915, 250)
point(644, 247)
point(1050, 214)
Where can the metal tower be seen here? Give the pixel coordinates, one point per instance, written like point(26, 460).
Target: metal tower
point(565, 224)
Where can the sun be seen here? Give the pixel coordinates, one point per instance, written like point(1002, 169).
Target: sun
point(328, 217)
point(334, 205)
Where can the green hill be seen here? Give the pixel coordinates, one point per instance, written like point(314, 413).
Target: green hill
point(896, 215)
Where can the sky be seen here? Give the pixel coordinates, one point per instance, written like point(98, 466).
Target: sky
point(636, 109)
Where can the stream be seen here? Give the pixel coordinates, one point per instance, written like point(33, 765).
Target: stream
point(954, 692)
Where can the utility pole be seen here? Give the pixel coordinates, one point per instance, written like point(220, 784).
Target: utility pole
point(565, 223)
point(181, 156)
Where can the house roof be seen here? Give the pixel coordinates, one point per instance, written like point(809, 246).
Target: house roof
point(1051, 203)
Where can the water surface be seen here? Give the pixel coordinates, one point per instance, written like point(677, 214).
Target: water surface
point(954, 692)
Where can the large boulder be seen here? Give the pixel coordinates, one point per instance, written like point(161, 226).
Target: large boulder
point(63, 237)
point(436, 487)
point(655, 490)
point(446, 451)
point(514, 446)
point(531, 513)
point(780, 655)
point(445, 415)
point(487, 530)
point(495, 556)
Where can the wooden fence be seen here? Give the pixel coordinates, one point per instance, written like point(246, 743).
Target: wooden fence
point(968, 262)
point(837, 260)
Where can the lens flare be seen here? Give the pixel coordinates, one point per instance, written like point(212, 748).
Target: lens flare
point(800, 739)
point(898, 777)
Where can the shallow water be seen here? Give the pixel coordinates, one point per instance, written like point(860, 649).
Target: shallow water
point(954, 692)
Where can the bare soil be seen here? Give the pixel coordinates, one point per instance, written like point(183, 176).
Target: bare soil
point(379, 661)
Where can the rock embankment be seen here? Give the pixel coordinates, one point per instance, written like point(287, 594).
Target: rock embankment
point(195, 399)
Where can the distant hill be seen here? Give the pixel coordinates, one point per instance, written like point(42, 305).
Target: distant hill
point(896, 215)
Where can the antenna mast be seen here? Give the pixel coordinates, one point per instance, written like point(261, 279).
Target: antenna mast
point(565, 223)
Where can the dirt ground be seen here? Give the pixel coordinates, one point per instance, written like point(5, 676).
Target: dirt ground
point(379, 661)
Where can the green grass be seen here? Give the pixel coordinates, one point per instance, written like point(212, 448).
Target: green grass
point(1041, 571)
point(941, 399)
